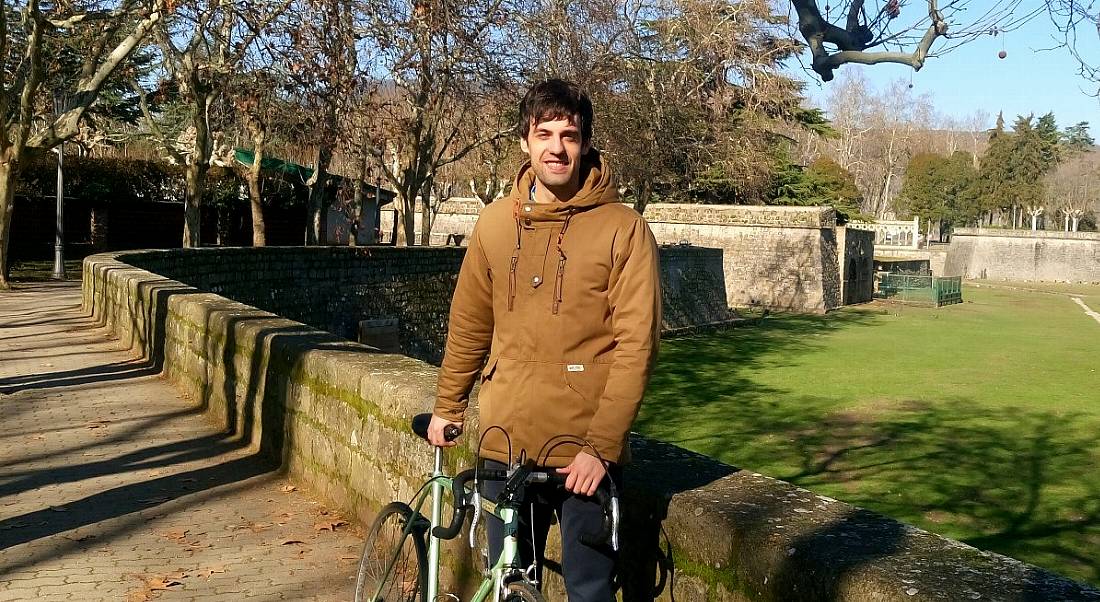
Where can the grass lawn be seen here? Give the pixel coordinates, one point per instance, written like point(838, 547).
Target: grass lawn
point(978, 421)
point(42, 270)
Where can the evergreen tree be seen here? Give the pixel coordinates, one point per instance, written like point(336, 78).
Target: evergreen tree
point(1077, 138)
point(941, 190)
point(1047, 129)
point(825, 182)
point(1012, 169)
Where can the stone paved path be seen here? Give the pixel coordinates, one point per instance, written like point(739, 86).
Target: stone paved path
point(114, 487)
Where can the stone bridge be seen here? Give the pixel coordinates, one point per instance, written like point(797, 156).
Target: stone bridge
point(165, 439)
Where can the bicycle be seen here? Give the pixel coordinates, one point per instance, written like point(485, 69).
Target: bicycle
point(391, 567)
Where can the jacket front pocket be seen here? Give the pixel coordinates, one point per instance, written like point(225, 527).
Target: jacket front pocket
point(587, 380)
point(571, 393)
point(490, 367)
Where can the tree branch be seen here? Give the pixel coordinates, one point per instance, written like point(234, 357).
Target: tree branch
point(853, 40)
point(66, 125)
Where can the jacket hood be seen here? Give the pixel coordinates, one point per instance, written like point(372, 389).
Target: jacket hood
point(597, 188)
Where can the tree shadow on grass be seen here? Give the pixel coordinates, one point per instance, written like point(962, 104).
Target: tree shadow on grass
point(1012, 480)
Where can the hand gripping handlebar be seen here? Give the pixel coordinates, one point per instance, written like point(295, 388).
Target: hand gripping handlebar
point(523, 475)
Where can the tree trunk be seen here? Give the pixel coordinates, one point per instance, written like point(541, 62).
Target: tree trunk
point(645, 194)
point(192, 202)
point(8, 171)
point(259, 229)
point(406, 216)
point(317, 191)
point(356, 210)
point(426, 212)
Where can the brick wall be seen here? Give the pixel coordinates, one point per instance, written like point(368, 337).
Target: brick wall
point(1024, 255)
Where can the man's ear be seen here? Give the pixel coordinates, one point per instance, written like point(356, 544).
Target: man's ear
point(523, 146)
point(587, 146)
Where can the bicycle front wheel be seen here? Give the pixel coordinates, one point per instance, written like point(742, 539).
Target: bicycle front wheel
point(521, 591)
point(394, 562)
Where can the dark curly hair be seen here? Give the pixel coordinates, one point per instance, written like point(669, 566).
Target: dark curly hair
point(556, 99)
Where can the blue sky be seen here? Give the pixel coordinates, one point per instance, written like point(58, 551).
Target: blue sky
point(971, 77)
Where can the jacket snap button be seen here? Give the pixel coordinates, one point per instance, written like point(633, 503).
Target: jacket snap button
point(535, 281)
point(527, 222)
point(527, 208)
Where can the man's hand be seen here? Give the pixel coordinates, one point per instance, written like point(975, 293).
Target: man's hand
point(435, 431)
point(586, 472)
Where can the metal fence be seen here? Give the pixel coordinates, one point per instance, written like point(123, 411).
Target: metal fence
point(922, 290)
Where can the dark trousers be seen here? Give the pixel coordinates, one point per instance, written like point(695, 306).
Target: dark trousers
point(588, 570)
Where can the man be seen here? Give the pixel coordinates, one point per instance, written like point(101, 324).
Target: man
point(559, 289)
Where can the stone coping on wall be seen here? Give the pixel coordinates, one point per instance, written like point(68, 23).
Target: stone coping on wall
point(772, 216)
point(1058, 234)
point(776, 216)
point(335, 412)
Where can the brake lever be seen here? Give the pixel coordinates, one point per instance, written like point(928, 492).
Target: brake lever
point(475, 499)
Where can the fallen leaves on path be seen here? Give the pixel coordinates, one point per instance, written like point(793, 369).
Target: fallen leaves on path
point(152, 585)
point(330, 525)
point(176, 534)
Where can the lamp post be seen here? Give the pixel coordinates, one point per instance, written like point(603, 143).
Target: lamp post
point(59, 101)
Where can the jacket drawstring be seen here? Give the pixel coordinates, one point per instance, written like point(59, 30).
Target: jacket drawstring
point(515, 258)
point(560, 277)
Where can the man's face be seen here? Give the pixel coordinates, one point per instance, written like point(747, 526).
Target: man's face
point(555, 149)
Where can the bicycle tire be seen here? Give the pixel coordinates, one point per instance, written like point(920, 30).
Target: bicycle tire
point(407, 581)
point(521, 591)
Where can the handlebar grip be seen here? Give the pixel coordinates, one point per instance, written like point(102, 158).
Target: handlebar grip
point(462, 508)
point(420, 424)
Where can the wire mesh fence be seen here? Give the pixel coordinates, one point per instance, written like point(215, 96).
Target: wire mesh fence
point(922, 290)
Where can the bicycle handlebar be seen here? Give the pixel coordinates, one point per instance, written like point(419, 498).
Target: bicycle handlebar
point(609, 502)
point(608, 533)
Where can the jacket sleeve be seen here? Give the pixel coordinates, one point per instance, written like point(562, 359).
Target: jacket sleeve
point(635, 298)
point(469, 333)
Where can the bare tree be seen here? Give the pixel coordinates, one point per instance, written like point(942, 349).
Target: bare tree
point(202, 46)
point(254, 98)
point(319, 57)
point(443, 61)
point(106, 36)
point(1073, 188)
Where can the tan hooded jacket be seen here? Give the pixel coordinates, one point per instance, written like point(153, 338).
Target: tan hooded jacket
point(565, 300)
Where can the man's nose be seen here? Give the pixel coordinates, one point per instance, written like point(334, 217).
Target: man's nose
point(556, 145)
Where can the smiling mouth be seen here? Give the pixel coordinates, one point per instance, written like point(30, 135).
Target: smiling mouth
point(556, 166)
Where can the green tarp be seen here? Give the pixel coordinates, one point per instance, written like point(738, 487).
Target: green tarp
point(246, 157)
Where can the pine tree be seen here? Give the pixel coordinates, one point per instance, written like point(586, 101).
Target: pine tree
point(1076, 138)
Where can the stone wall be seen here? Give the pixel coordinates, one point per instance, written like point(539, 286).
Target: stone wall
point(334, 288)
point(1024, 255)
point(777, 257)
point(693, 287)
point(335, 414)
